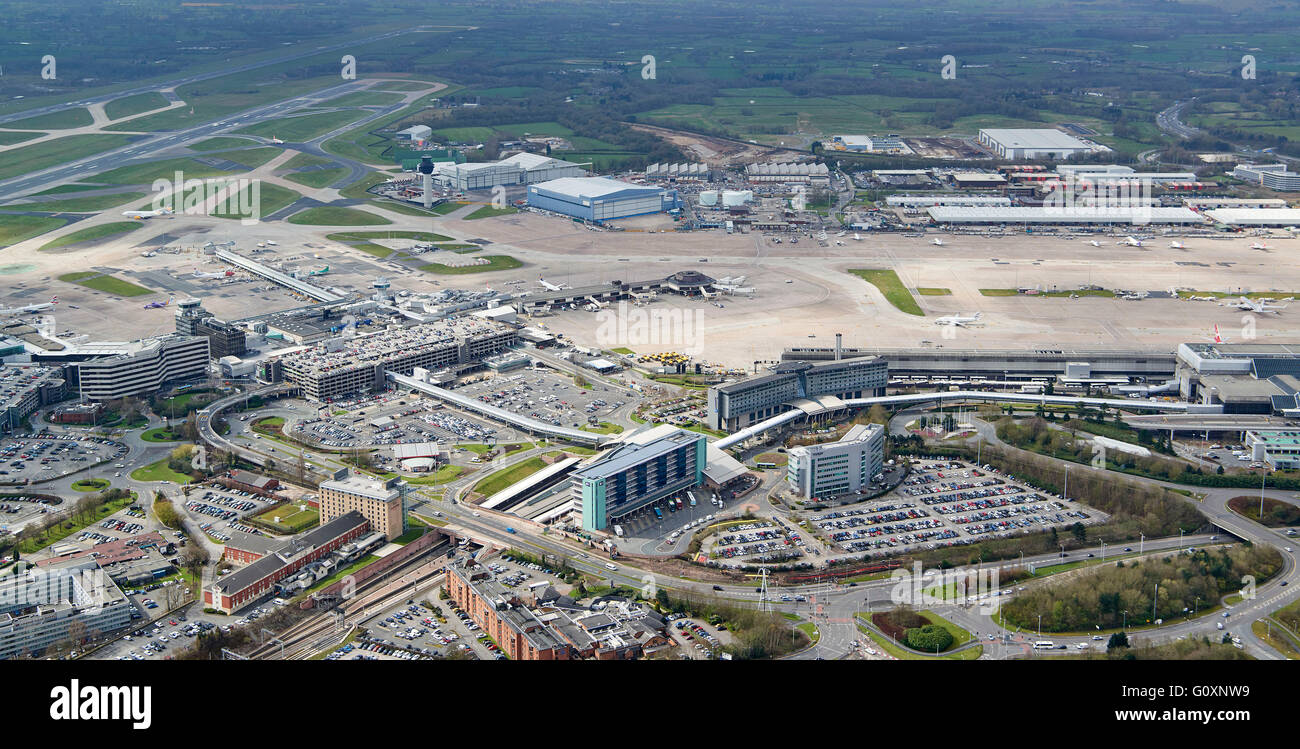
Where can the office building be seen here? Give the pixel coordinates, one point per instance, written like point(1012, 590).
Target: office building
point(143, 367)
point(636, 474)
point(814, 387)
point(1273, 176)
point(68, 601)
point(1279, 450)
point(836, 468)
point(378, 501)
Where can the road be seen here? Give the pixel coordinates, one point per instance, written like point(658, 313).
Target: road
point(1170, 121)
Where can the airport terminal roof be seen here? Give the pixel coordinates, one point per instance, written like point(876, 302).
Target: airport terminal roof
point(1056, 215)
point(1256, 216)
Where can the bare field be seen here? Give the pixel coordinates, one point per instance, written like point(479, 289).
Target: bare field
point(820, 299)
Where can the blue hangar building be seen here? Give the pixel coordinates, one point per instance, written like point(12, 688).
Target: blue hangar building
point(600, 198)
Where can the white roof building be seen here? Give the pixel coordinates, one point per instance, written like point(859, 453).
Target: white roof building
point(1034, 143)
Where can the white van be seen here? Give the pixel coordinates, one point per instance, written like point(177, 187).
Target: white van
point(610, 566)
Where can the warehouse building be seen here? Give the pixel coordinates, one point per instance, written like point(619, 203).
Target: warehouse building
point(600, 198)
point(340, 366)
point(814, 388)
point(788, 172)
point(638, 473)
point(1034, 143)
point(1206, 204)
point(842, 467)
point(520, 169)
point(927, 201)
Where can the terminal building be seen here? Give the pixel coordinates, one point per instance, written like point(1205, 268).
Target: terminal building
point(816, 388)
point(1243, 378)
point(638, 473)
point(340, 366)
point(379, 502)
point(835, 468)
point(600, 198)
point(1005, 364)
point(61, 602)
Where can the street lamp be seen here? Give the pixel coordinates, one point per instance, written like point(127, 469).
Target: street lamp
point(1125, 626)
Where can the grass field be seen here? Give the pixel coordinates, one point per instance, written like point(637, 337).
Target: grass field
point(271, 198)
point(38, 156)
point(159, 472)
point(161, 434)
point(888, 283)
point(62, 120)
point(107, 284)
point(129, 105)
point(292, 519)
point(419, 236)
point(933, 291)
point(488, 211)
point(304, 160)
point(91, 233)
point(138, 174)
point(507, 476)
point(336, 216)
point(90, 485)
point(303, 127)
point(88, 204)
point(495, 262)
point(318, 177)
point(9, 139)
point(15, 229)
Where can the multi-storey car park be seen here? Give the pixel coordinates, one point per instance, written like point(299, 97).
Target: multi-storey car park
point(23, 389)
point(637, 473)
point(351, 365)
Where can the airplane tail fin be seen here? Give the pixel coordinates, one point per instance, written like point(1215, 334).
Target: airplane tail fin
point(1217, 338)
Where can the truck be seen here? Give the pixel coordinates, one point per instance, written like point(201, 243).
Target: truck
point(618, 531)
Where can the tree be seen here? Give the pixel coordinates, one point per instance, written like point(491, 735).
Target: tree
point(1117, 640)
point(1080, 532)
point(193, 557)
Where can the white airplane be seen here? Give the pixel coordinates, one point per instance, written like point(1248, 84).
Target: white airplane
point(276, 140)
point(272, 244)
point(960, 320)
point(938, 242)
point(1095, 243)
point(550, 286)
point(1177, 245)
point(857, 237)
point(1259, 246)
point(147, 214)
point(1257, 305)
point(1131, 242)
point(31, 307)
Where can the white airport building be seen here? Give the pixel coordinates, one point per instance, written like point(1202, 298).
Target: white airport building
point(1138, 215)
point(520, 169)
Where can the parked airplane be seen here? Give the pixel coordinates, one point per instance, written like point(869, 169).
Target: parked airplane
point(960, 320)
point(1257, 305)
point(550, 286)
point(1095, 243)
point(857, 237)
point(938, 242)
point(31, 307)
point(1178, 245)
point(147, 214)
point(214, 274)
point(319, 271)
point(158, 305)
point(1258, 246)
point(1131, 242)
